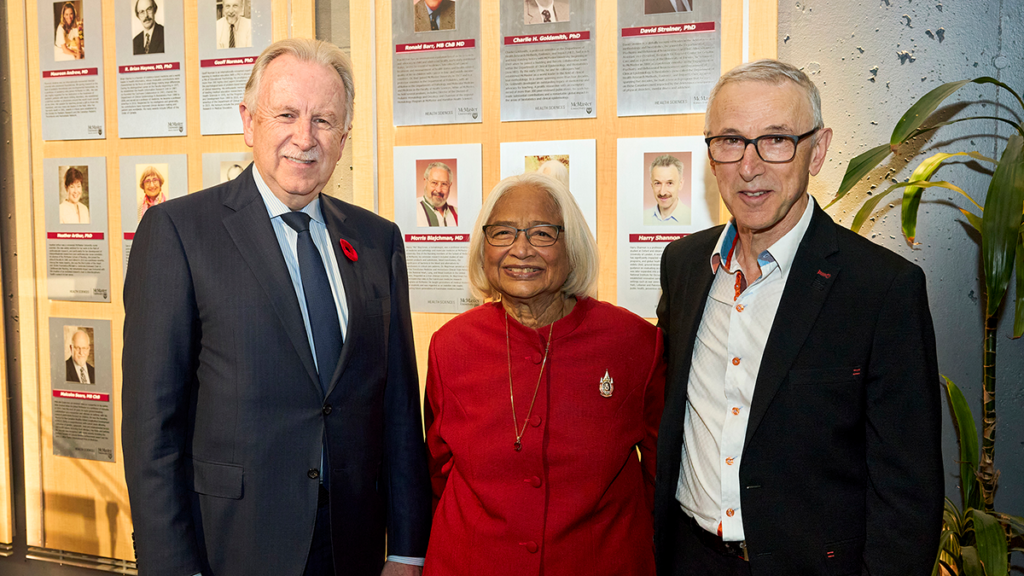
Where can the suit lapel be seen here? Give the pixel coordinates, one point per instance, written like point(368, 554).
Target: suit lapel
point(253, 234)
point(338, 230)
point(806, 289)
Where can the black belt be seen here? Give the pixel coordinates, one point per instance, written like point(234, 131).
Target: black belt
point(714, 542)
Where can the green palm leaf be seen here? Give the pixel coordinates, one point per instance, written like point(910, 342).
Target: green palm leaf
point(972, 564)
point(974, 220)
point(990, 541)
point(921, 110)
point(1000, 227)
point(1018, 316)
point(968, 434)
point(858, 168)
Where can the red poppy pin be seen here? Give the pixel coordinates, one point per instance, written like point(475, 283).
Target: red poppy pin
point(349, 251)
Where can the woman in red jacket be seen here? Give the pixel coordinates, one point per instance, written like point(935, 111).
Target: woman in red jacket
point(537, 402)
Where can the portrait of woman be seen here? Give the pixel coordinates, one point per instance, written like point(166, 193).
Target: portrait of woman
point(562, 490)
point(67, 41)
point(73, 208)
point(151, 183)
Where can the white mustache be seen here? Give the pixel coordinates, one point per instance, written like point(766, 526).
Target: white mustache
point(311, 155)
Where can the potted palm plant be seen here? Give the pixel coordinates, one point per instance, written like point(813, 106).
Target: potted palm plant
point(976, 540)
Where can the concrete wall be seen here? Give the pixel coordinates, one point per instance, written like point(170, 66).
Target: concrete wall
point(871, 60)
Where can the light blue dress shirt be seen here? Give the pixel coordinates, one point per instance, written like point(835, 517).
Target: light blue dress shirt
point(288, 239)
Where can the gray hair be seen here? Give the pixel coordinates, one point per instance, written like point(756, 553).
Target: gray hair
point(769, 71)
point(667, 160)
point(556, 170)
point(432, 165)
point(579, 242)
point(305, 50)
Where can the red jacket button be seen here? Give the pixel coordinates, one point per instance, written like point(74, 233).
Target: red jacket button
point(530, 546)
point(535, 421)
point(533, 481)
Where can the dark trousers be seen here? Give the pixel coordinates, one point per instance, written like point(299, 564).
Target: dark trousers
point(691, 556)
point(321, 558)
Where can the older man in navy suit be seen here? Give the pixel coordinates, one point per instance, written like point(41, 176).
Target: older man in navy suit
point(801, 426)
point(271, 404)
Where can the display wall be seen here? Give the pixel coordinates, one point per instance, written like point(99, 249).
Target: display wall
point(747, 34)
point(76, 503)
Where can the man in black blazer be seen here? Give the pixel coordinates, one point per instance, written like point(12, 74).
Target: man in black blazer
point(78, 362)
point(250, 447)
point(145, 11)
point(802, 418)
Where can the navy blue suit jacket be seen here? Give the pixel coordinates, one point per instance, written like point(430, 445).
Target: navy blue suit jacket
point(224, 417)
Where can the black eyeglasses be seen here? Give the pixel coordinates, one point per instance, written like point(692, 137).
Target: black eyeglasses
point(772, 148)
point(541, 235)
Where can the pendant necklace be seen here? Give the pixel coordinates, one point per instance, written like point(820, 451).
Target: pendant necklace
point(515, 422)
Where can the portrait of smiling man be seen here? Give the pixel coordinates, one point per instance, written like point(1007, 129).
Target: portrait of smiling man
point(233, 29)
point(78, 368)
point(151, 39)
point(801, 431)
point(434, 209)
point(667, 174)
point(276, 428)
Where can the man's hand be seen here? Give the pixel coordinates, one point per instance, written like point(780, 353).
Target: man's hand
point(399, 569)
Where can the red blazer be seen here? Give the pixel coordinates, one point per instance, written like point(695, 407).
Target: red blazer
point(576, 499)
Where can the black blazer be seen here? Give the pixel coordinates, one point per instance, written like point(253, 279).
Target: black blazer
point(841, 471)
point(224, 417)
point(72, 372)
point(156, 43)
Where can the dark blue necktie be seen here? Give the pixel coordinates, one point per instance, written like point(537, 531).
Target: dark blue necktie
point(323, 314)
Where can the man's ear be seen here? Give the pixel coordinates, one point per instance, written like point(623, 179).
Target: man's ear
point(821, 142)
point(247, 121)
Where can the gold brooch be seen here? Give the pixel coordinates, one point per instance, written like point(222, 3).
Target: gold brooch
point(607, 386)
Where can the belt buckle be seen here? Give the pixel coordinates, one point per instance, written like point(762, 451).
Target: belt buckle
point(736, 549)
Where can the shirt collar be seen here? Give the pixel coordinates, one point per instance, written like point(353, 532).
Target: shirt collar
point(658, 216)
point(783, 252)
point(274, 205)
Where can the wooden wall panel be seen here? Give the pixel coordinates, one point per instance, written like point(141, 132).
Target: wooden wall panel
point(605, 128)
point(80, 505)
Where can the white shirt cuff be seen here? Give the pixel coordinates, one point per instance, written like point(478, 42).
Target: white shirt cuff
point(406, 560)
